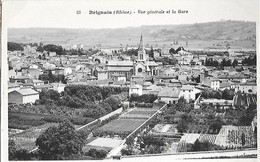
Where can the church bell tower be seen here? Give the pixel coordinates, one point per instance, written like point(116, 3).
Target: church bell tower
point(141, 51)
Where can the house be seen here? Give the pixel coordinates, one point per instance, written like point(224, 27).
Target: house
point(120, 67)
point(152, 89)
point(34, 73)
point(247, 87)
point(36, 82)
point(215, 84)
point(20, 79)
point(118, 77)
point(135, 89)
point(221, 102)
point(189, 92)
point(169, 95)
point(225, 85)
point(13, 87)
point(23, 96)
point(102, 74)
point(52, 54)
point(58, 87)
point(42, 87)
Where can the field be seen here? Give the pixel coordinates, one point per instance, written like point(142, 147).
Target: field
point(122, 126)
point(105, 142)
point(236, 136)
point(140, 113)
point(25, 121)
point(26, 139)
point(208, 137)
point(127, 122)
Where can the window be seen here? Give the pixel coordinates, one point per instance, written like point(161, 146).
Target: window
point(141, 57)
point(140, 70)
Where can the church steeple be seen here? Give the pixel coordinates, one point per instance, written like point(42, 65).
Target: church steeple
point(141, 45)
point(141, 50)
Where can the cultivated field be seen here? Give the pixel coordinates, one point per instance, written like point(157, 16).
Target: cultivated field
point(122, 126)
point(26, 139)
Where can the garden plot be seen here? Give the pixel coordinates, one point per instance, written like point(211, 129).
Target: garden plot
point(122, 126)
point(164, 130)
point(190, 138)
point(105, 142)
point(208, 138)
point(140, 113)
point(236, 136)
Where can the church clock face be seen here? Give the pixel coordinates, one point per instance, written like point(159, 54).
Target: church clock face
point(140, 70)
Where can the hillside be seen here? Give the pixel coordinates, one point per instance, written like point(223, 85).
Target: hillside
point(236, 33)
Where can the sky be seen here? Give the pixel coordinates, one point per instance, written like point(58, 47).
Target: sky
point(62, 14)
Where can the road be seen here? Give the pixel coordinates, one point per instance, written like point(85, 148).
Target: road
point(190, 156)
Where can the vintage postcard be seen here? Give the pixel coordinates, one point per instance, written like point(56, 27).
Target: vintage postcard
point(129, 80)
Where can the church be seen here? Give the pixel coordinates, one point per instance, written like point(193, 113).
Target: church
point(142, 66)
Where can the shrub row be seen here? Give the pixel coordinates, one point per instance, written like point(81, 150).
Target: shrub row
point(32, 120)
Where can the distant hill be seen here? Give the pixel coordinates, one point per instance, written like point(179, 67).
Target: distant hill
point(212, 34)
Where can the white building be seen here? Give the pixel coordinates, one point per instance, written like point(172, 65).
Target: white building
point(136, 89)
point(215, 84)
point(169, 95)
point(189, 92)
point(58, 87)
point(23, 96)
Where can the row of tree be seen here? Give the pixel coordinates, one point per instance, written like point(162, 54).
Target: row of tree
point(51, 48)
point(52, 78)
point(146, 98)
point(223, 63)
point(225, 94)
point(11, 46)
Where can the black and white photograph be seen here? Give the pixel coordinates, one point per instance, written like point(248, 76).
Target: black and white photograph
point(129, 80)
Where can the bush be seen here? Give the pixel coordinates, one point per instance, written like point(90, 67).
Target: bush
point(54, 119)
point(127, 151)
point(97, 153)
point(144, 105)
point(146, 98)
point(81, 120)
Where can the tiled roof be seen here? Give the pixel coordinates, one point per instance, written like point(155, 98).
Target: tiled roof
point(187, 87)
point(168, 92)
point(136, 86)
point(26, 92)
point(120, 63)
point(13, 85)
point(119, 68)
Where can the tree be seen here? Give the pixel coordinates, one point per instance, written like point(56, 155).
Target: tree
point(11, 149)
point(182, 126)
point(243, 139)
point(50, 94)
point(60, 142)
point(17, 154)
point(23, 154)
point(202, 146)
point(97, 153)
point(172, 51)
point(11, 46)
point(216, 125)
point(235, 63)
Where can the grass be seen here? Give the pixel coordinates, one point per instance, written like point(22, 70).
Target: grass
point(20, 120)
